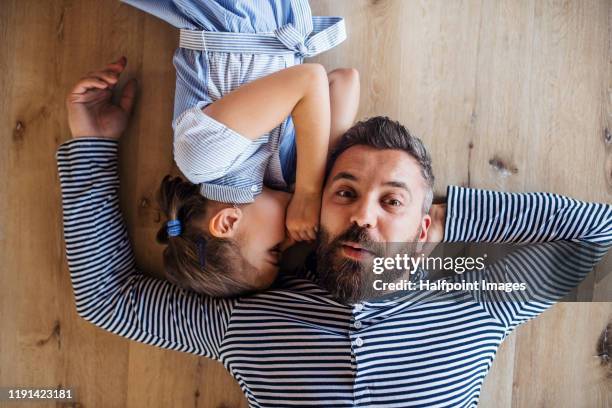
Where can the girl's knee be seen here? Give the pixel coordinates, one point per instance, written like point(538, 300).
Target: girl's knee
point(345, 75)
point(314, 71)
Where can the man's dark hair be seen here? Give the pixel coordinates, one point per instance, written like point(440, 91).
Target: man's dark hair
point(380, 132)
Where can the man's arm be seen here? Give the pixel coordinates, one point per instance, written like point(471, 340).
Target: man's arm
point(567, 238)
point(109, 291)
point(476, 215)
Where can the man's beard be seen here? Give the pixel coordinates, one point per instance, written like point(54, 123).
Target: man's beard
point(349, 280)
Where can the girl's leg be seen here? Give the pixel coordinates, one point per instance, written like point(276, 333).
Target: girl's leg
point(344, 92)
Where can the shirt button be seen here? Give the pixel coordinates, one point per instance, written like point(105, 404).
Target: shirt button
point(253, 188)
point(357, 324)
point(358, 307)
point(359, 342)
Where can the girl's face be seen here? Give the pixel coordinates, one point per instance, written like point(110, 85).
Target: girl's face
point(261, 234)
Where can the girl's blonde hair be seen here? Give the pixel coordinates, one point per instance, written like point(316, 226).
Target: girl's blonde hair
point(195, 259)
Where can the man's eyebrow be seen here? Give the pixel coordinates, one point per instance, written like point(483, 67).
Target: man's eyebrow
point(344, 175)
point(398, 184)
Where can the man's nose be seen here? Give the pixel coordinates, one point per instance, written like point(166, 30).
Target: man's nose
point(364, 214)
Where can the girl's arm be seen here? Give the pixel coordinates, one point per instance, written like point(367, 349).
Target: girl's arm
point(255, 108)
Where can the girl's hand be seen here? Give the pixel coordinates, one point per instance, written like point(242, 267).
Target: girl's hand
point(303, 216)
point(91, 111)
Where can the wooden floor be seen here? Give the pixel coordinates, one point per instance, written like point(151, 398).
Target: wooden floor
point(509, 95)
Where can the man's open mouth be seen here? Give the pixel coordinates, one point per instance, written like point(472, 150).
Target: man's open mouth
point(355, 251)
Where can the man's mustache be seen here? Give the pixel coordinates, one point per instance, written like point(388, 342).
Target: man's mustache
point(361, 236)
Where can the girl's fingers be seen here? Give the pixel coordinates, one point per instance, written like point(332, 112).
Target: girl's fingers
point(306, 235)
point(311, 234)
point(294, 236)
point(88, 83)
point(303, 234)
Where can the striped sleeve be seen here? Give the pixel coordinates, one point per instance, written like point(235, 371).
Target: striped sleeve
point(205, 149)
point(562, 240)
point(109, 291)
point(475, 215)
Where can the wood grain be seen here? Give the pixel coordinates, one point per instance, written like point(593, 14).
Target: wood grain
point(508, 95)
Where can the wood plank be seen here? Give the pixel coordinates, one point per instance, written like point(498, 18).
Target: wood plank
point(513, 96)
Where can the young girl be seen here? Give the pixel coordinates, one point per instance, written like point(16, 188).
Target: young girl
point(245, 110)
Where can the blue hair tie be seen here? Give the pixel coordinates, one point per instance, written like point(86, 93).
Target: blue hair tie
point(173, 228)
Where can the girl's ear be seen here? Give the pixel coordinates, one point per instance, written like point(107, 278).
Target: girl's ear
point(224, 224)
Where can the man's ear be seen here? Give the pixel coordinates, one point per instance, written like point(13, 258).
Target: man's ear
point(422, 244)
point(425, 224)
point(224, 224)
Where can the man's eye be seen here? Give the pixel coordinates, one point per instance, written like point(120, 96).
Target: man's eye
point(394, 202)
point(344, 193)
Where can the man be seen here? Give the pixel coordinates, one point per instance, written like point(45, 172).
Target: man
point(302, 344)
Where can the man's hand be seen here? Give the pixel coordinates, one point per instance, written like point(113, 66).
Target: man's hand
point(91, 111)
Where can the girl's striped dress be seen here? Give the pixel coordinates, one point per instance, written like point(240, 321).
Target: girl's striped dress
point(224, 44)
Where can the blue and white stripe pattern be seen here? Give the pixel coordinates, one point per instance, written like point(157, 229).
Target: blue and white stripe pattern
point(223, 45)
point(285, 40)
point(294, 345)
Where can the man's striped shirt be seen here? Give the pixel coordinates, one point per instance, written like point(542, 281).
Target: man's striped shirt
point(296, 346)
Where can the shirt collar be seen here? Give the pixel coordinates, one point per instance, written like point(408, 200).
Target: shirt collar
point(229, 194)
